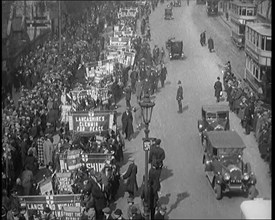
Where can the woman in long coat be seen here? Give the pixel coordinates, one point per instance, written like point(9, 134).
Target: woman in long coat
point(127, 123)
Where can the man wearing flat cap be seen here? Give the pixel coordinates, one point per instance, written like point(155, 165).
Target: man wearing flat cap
point(107, 213)
point(179, 96)
point(131, 176)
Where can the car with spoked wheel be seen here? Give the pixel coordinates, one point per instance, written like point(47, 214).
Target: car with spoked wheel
point(224, 165)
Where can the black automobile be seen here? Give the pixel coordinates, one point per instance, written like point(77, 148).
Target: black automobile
point(224, 165)
point(214, 117)
point(168, 15)
point(176, 50)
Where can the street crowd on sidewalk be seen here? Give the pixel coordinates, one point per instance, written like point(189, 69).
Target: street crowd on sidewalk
point(255, 115)
point(34, 136)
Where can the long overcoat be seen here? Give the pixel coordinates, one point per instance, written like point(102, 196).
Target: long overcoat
point(127, 123)
point(131, 176)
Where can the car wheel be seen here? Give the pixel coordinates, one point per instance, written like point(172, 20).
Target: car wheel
point(218, 191)
point(252, 192)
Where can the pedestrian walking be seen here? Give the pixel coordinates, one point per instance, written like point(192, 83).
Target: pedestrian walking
point(218, 89)
point(138, 90)
point(131, 176)
point(210, 44)
point(202, 39)
point(137, 117)
point(163, 74)
point(179, 96)
point(127, 123)
point(128, 94)
point(157, 156)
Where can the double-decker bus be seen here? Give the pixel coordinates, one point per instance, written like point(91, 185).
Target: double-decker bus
point(258, 59)
point(212, 7)
point(241, 13)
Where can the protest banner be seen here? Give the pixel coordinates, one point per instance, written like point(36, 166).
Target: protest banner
point(56, 203)
point(96, 121)
point(73, 161)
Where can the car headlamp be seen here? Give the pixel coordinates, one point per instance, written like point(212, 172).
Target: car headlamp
point(246, 176)
point(226, 176)
point(208, 162)
point(200, 126)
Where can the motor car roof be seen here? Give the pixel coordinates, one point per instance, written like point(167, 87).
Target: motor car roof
point(215, 108)
point(256, 209)
point(225, 139)
point(168, 9)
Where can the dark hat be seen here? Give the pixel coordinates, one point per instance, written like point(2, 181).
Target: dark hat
point(106, 210)
point(158, 141)
point(218, 78)
point(131, 159)
point(118, 212)
point(179, 82)
point(47, 210)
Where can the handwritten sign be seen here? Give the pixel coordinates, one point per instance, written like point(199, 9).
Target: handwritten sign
point(120, 41)
point(95, 161)
point(73, 161)
point(59, 204)
point(46, 186)
point(96, 121)
point(64, 182)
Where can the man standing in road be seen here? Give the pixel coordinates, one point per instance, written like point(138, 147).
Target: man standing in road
point(218, 89)
point(156, 157)
point(179, 96)
point(163, 74)
point(210, 44)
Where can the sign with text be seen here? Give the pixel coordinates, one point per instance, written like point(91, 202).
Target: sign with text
point(120, 41)
point(64, 182)
point(46, 187)
point(56, 203)
point(96, 121)
point(73, 160)
point(95, 161)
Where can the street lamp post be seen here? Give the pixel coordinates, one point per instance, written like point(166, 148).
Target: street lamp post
point(146, 109)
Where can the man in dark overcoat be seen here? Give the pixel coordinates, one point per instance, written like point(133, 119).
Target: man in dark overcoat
point(163, 74)
point(218, 89)
point(131, 176)
point(127, 123)
point(179, 96)
point(210, 44)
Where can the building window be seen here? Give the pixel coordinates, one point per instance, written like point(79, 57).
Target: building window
point(263, 43)
point(257, 39)
point(256, 72)
point(249, 12)
point(243, 11)
point(240, 11)
point(268, 44)
point(241, 29)
point(252, 37)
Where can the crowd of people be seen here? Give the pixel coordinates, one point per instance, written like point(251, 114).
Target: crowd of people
point(255, 115)
point(34, 136)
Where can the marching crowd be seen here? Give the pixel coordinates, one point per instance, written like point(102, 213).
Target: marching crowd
point(34, 136)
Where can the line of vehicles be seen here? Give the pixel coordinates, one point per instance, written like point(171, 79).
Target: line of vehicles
point(223, 154)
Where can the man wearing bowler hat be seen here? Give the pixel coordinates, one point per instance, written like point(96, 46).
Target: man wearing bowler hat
point(131, 176)
point(179, 96)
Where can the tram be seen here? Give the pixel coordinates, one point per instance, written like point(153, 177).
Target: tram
point(241, 13)
point(258, 59)
point(212, 7)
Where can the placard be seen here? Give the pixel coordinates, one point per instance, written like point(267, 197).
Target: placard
point(64, 182)
point(57, 203)
point(46, 186)
point(96, 121)
point(95, 161)
point(73, 161)
point(65, 113)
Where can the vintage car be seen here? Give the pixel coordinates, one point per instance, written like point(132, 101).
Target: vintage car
point(168, 14)
point(176, 50)
point(224, 165)
point(214, 117)
point(259, 208)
